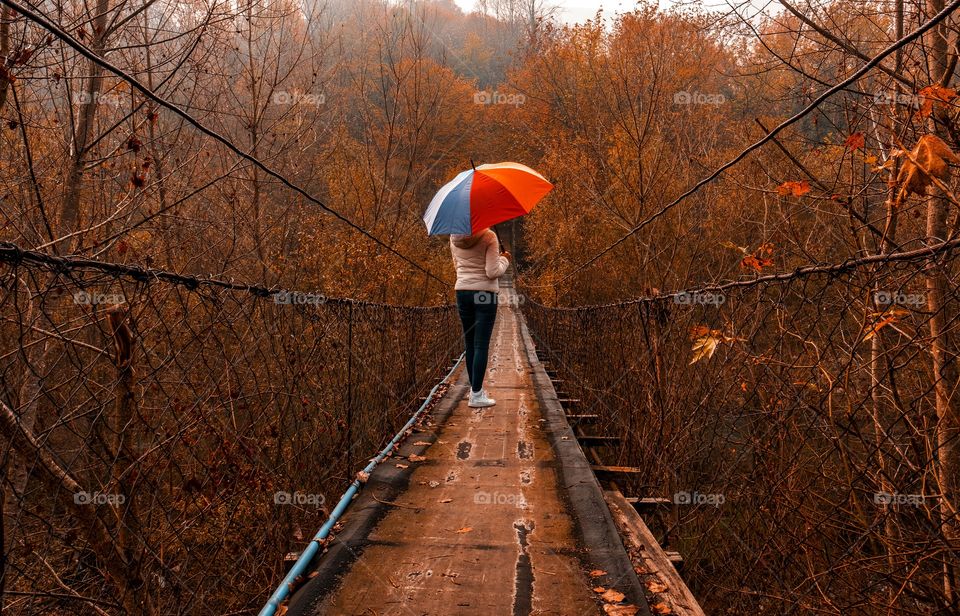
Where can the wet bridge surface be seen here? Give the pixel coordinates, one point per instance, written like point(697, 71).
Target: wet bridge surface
point(475, 516)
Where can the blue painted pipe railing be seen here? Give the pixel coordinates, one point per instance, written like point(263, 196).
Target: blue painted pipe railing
point(283, 591)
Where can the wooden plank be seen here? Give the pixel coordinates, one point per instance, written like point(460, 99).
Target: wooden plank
point(638, 536)
point(648, 502)
point(603, 469)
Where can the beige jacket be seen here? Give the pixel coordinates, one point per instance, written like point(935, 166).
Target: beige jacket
point(478, 261)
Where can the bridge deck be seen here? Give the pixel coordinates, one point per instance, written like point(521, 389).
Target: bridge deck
point(483, 527)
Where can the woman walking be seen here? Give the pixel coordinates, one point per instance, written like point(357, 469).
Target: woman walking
point(480, 263)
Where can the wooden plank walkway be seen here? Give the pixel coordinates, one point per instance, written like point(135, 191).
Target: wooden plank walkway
point(484, 526)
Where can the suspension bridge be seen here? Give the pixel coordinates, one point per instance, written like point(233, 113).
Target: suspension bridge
point(197, 419)
point(175, 441)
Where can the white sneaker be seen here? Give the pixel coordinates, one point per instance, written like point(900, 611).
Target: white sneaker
point(480, 399)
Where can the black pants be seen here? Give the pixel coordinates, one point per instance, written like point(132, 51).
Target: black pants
point(478, 312)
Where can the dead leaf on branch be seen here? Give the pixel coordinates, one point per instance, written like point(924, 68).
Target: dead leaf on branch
point(855, 141)
point(883, 319)
point(930, 159)
point(706, 341)
point(931, 95)
point(759, 258)
point(797, 189)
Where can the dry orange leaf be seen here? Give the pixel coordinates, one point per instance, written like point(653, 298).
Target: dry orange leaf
point(597, 573)
point(599, 590)
point(855, 142)
point(612, 596)
point(654, 586)
point(415, 458)
point(620, 610)
point(661, 608)
point(933, 158)
point(934, 94)
point(883, 319)
point(797, 189)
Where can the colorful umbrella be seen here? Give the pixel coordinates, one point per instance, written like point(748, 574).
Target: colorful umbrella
point(484, 196)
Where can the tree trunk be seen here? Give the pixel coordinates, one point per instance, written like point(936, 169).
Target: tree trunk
point(941, 350)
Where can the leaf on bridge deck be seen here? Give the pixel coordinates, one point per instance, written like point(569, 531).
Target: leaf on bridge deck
point(465, 529)
point(655, 586)
point(415, 458)
point(620, 610)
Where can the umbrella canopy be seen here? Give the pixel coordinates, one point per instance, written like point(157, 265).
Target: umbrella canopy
point(485, 196)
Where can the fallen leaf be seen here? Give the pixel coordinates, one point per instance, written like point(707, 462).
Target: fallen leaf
point(597, 573)
point(599, 589)
point(620, 610)
point(661, 608)
point(402, 465)
point(421, 443)
point(415, 458)
point(612, 596)
point(465, 529)
point(655, 586)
